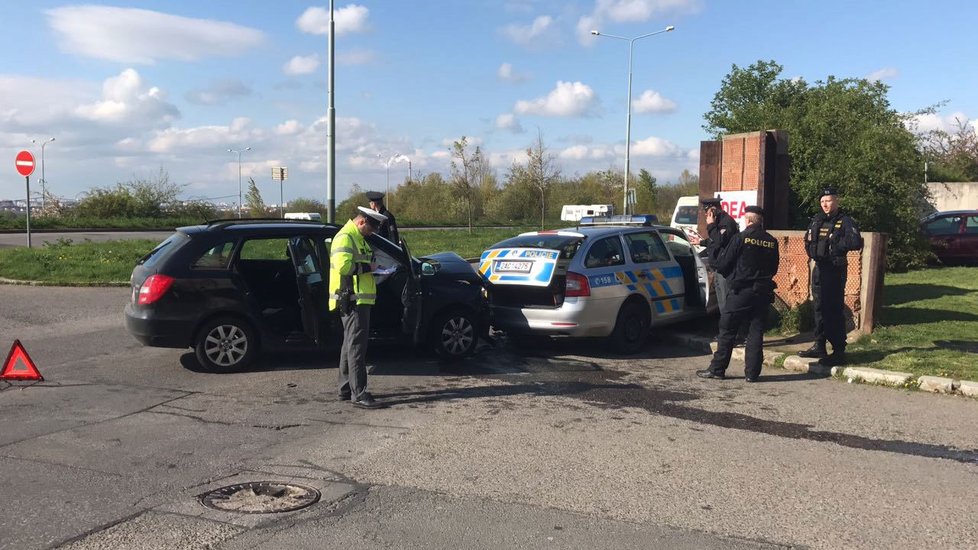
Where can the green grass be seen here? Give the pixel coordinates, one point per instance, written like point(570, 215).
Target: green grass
point(86, 263)
point(928, 325)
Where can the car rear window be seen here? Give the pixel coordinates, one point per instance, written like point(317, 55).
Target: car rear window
point(566, 244)
point(216, 257)
point(163, 250)
point(686, 215)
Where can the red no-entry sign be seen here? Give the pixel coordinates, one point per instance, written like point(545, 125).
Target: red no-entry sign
point(25, 163)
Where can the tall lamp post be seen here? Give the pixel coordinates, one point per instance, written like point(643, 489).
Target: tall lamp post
point(628, 119)
point(238, 152)
point(43, 181)
point(396, 157)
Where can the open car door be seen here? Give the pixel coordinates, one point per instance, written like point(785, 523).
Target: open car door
point(680, 247)
point(313, 301)
point(411, 297)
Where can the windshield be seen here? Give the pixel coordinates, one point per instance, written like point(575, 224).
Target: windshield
point(566, 244)
point(686, 215)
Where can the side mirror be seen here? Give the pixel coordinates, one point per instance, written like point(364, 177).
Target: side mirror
point(427, 269)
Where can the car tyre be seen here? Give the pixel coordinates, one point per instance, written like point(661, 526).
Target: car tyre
point(225, 344)
point(454, 334)
point(631, 328)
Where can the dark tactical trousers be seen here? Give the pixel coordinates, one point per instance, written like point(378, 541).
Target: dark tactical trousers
point(828, 289)
point(353, 354)
point(743, 307)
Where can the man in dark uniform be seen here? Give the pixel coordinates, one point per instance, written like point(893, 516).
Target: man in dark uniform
point(749, 263)
point(720, 228)
point(388, 229)
point(831, 235)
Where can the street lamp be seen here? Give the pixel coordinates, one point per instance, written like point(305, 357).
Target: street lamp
point(43, 181)
point(239, 174)
point(397, 157)
point(628, 119)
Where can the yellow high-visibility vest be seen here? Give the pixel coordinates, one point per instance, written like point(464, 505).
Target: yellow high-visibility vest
point(351, 255)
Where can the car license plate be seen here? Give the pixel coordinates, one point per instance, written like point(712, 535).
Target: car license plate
point(510, 266)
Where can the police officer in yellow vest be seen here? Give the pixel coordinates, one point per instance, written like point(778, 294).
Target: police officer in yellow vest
point(352, 291)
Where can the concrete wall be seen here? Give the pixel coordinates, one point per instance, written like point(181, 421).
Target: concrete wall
point(954, 195)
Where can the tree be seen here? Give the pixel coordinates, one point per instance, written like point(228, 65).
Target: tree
point(841, 132)
point(465, 168)
point(256, 205)
point(541, 172)
point(137, 198)
point(646, 191)
point(951, 156)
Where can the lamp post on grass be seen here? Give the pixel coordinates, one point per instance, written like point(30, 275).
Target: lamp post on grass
point(238, 152)
point(628, 119)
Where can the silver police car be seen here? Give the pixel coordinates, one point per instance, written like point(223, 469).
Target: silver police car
point(612, 277)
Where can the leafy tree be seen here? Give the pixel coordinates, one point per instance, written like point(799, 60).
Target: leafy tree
point(256, 205)
point(646, 192)
point(137, 198)
point(841, 132)
point(541, 172)
point(302, 204)
point(465, 170)
point(951, 156)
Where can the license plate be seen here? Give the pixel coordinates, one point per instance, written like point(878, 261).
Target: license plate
point(509, 266)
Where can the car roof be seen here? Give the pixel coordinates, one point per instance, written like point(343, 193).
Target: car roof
point(275, 226)
point(597, 231)
point(951, 213)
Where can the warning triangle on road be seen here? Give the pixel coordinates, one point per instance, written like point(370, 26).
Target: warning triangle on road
point(19, 365)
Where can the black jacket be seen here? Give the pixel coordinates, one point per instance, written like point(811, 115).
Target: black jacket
point(832, 246)
point(388, 229)
point(750, 260)
point(720, 233)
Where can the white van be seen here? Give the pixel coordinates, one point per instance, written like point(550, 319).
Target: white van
point(574, 212)
point(686, 215)
point(315, 216)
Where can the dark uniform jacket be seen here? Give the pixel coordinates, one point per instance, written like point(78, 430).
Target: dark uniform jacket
point(388, 228)
point(720, 233)
point(830, 238)
point(750, 261)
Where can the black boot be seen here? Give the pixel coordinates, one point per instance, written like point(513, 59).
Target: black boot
point(817, 351)
point(837, 358)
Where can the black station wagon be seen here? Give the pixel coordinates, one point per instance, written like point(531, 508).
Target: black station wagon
point(232, 288)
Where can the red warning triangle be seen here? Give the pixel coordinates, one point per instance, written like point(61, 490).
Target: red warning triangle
point(19, 365)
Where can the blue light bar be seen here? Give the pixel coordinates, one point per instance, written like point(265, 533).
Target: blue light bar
point(638, 219)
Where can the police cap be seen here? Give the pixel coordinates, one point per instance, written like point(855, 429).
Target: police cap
point(375, 196)
point(754, 209)
point(707, 202)
point(827, 190)
point(373, 217)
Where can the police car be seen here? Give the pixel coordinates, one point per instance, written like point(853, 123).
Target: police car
point(612, 277)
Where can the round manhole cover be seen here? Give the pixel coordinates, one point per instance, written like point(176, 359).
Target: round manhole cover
point(260, 497)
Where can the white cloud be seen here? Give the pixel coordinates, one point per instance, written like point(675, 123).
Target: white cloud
point(125, 100)
point(208, 138)
point(568, 99)
point(948, 123)
point(301, 65)
point(288, 128)
point(350, 19)
point(886, 73)
point(575, 152)
point(508, 121)
point(629, 11)
point(506, 73)
point(652, 101)
point(541, 32)
point(130, 35)
point(218, 92)
point(656, 147)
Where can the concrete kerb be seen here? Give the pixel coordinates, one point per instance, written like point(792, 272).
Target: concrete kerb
point(933, 384)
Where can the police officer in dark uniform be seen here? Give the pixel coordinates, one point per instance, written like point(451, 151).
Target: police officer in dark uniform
point(720, 228)
point(749, 263)
point(831, 235)
point(388, 229)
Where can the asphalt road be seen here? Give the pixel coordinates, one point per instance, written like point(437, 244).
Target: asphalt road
point(555, 446)
point(8, 240)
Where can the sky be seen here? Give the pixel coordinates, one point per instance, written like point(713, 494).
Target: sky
point(128, 89)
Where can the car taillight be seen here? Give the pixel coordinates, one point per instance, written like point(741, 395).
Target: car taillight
point(154, 287)
point(576, 285)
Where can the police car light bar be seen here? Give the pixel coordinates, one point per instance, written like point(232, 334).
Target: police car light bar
point(640, 219)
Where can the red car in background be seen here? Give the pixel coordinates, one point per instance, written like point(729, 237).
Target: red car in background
point(953, 236)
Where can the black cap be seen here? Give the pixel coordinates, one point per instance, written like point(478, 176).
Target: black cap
point(710, 201)
point(754, 209)
point(828, 190)
point(375, 196)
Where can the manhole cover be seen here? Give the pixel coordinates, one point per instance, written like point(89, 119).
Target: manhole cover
point(260, 497)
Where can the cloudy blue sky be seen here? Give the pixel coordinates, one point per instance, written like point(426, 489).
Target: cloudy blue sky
point(129, 88)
